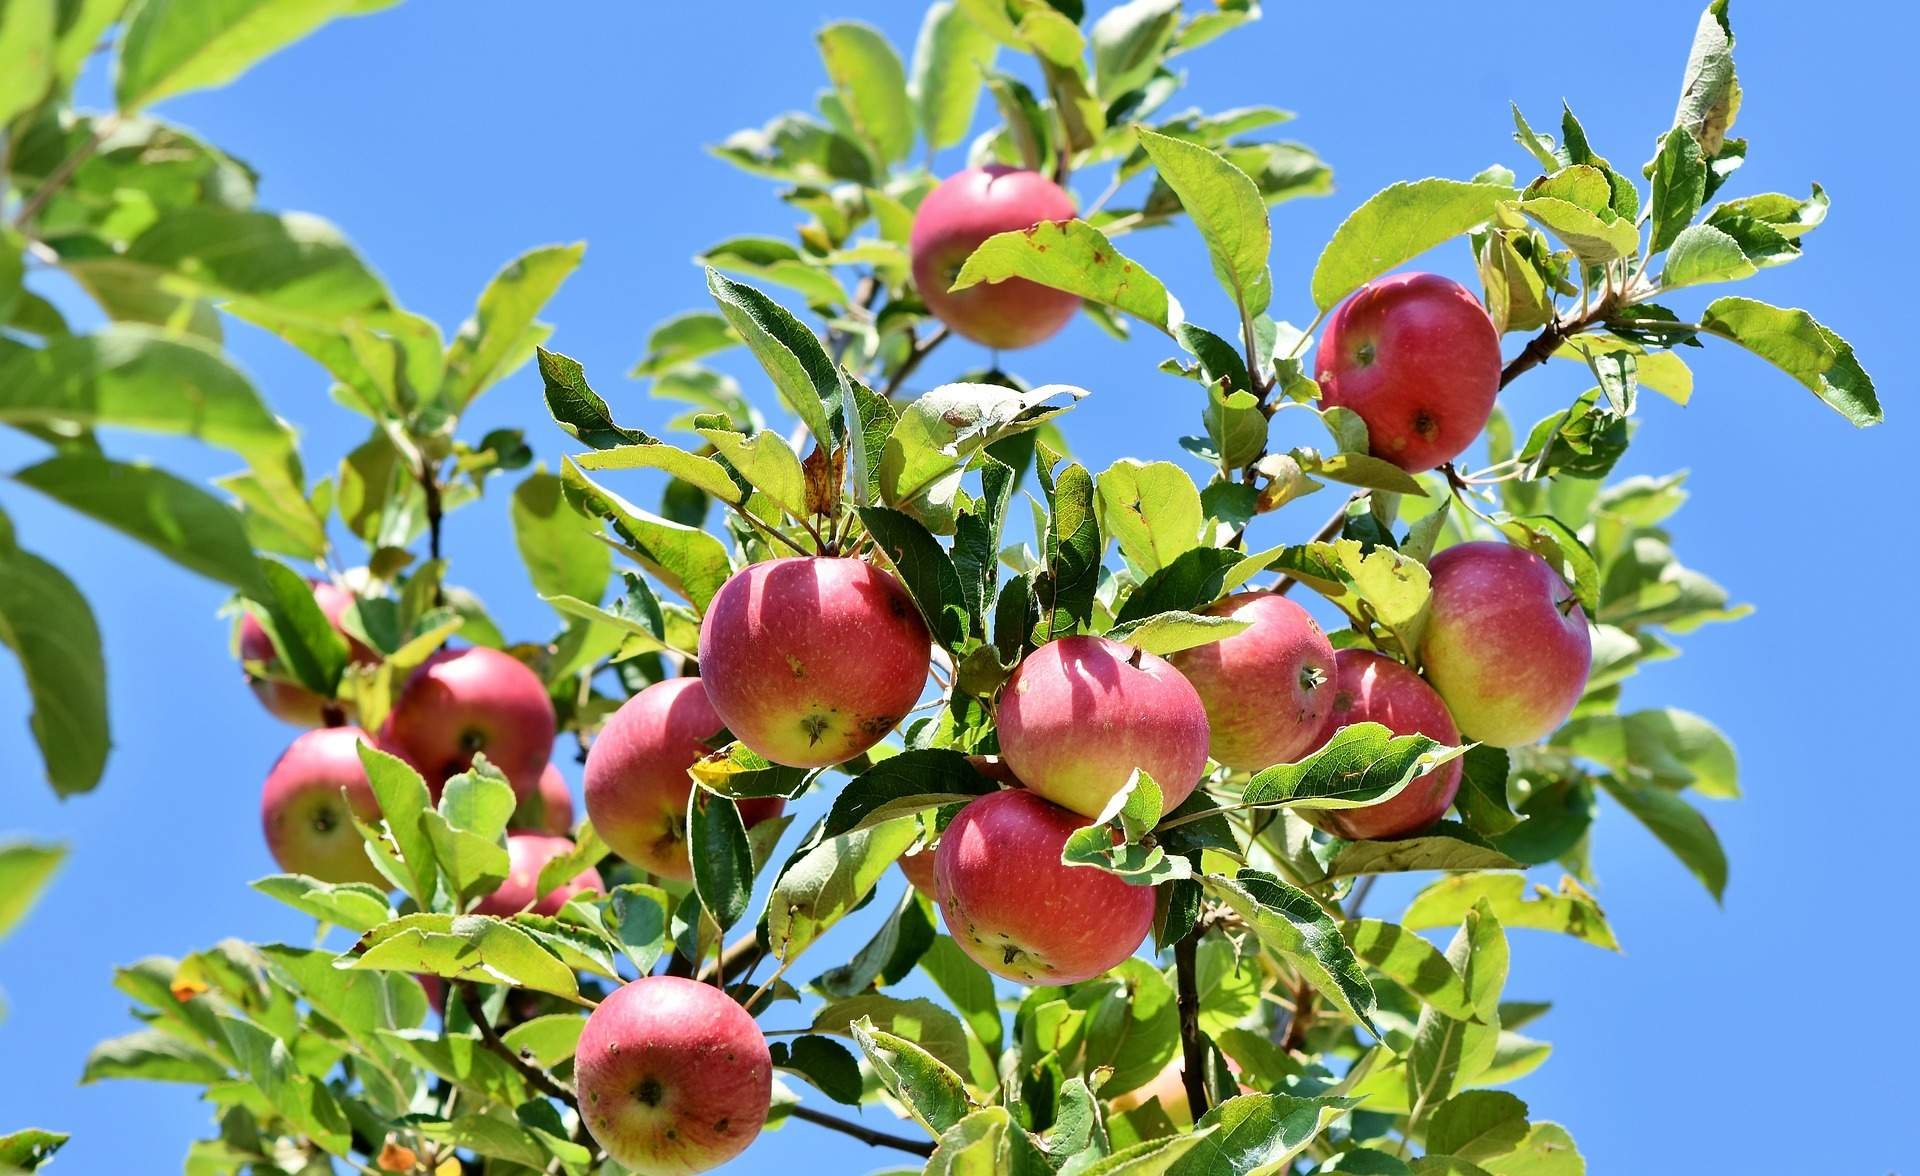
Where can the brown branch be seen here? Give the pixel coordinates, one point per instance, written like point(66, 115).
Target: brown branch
point(865, 1134)
point(1193, 1050)
point(537, 1078)
point(736, 960)
point(913, 359)
point(1327, 531)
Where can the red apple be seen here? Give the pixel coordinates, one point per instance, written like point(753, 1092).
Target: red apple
point(1372, 688)
point(1268, 688)
point(1417, 357)
point(1507, 645)
point(1016, 910)
point(637, 783)
point(917, 865)
point(953, 220)
point(1081, 713)
point(286, 700)
point(810, 661)
point(556, 806)
point(459, 702)
point(673, 1076)
point(312, 794)
point(527, 854)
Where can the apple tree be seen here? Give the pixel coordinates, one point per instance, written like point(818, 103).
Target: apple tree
point(1138, 796)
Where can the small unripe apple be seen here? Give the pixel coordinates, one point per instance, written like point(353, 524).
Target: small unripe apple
point(1081, 713)
point(966, 209)
point(1372, 688)
point(463, 701)
point(637, 783)
point(1507, 645)
point(556, 806)
point(810, 661)
point(527, 855)
point(673, 1076)
point(1416, 356)
point(285, 700)
point(1018, 911)
point(312, 794)
point(1267, 688)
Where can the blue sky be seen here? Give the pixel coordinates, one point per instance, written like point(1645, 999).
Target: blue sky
point(446, 136)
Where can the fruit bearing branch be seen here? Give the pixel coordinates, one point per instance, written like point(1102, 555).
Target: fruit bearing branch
point(861, 1132)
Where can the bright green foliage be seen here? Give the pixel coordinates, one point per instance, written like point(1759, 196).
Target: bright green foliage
point(1321, 1039)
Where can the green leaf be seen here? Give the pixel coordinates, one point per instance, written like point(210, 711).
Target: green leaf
point(464, 947)
point(1396, 225)
point(1411, 962)
point(1289, 922)
point(49, 627)
point(495, 341)
point(1679, 826)
point(722, 859)
point(468, 829)
point(576, 407)
point(709, 475)
point(25, 869)
point(1679, 186)
point(933, 1094)
point(1128, 42)
point(174, 517)
point(1445, 846)
point(767, 462)
point(969, 988)
point(1074, 256)
point(872, 86)
point(938, 434)
point(828, 879)
point(1171, 632)
point(1797, 344)
point(557, 545)
point(1709, 92)
point(171, 46)
point(26, 1150)
point(770, 259)
point(27, 58)
point(1363, 764)
point(403, 797)
point(1785, 215)
point(638, 916)
point(151, 1055)
point(802, 372)
point(1477, 1125)
point(137, 378)
point(1547, 1150)
point(888, 956)
point(1482, 799)
point(1670, 747)
point(920, 1020)
point(683, 338)
point(1701, 254)
point(1152, 510)
point(738, 772)
point(1593, 236)
point(1149, 1157)
point(1072, 546)
point(1571, 911)
point(925, 568)
point(1191, 582)
point(686, 559)
point(950, 61)
point(1227, 209)
point(1258, 1134)
point(826, 1064)
point(353, 905)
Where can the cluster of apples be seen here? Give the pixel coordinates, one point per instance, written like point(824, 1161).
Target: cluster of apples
point(811, 661)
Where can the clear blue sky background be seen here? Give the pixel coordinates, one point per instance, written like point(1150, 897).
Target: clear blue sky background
point(448, 135)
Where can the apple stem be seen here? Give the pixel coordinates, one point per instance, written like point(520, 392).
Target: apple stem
point(860, 1131)
point(1193, 1051)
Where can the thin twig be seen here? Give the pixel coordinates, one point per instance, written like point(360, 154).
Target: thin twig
point(737, 960)
point(861, 1132)
point(1327, 531)
point(1193, 1050)
point(63, 171)
point(913, 360)
point(537, 1078)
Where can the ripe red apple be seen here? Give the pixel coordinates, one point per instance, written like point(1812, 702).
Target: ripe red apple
point(1268, 688)
point(556, 806)
point(637, 783)
point(1081, 713)
point(314, 791)
point(810, 661)
point(459, 702)
point(1417, 357)
point(673, 1076)
point(1507, 645)
point(1372, 688)
point(287, 700)
point(966, 209)
point(527, 854)
point(1016, 910)
point(917, 865)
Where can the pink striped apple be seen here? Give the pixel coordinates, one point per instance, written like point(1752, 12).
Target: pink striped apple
point(966, 209)
point(1416, 356)
point(1507, 645)
point(1081, 713)
point(673, 1076)
point(810, 661)
point(1267, 689)
point(1018, 911)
